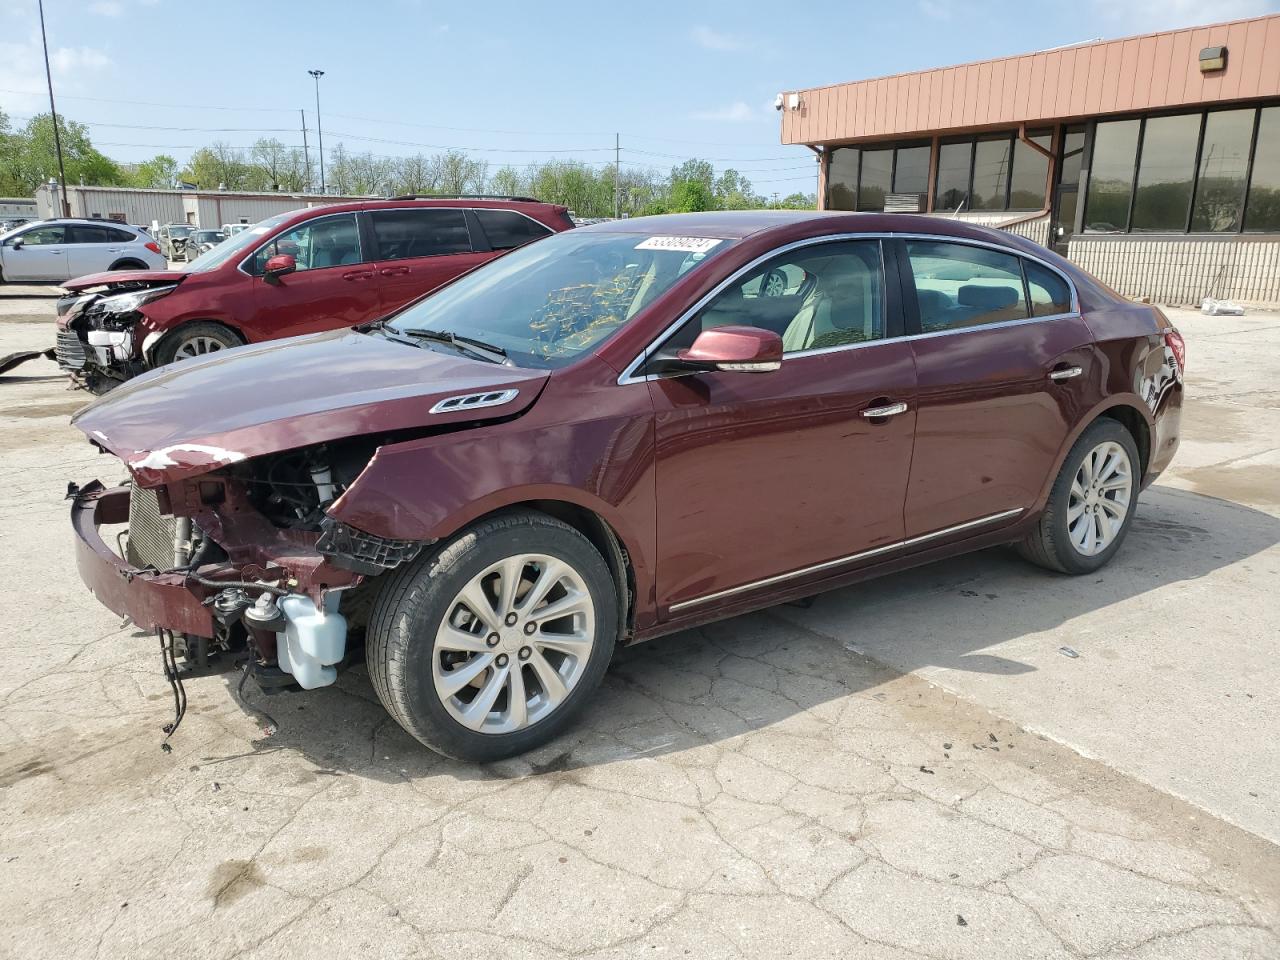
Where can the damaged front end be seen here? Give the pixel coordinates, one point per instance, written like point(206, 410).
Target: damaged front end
point(241, 559)
point(101, 333)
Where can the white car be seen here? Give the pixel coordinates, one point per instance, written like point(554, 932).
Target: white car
point(229, 230)
point(65, 249)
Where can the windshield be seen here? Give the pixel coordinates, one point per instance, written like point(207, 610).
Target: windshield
point(549, 301)
point(179, 231)
point(236, 246)
point(207, 236)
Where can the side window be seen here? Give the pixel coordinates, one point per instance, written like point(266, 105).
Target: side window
point(43, 236)
point(826, 295)
point(324, 242)
point(506, 228)
point(421, 232)
point(960, 286)
point(119, 236)
point(1050, 294)
point(87, 234)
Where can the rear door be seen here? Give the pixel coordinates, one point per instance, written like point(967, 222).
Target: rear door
point(1000, 359)
point(40, 253)
point(334, 284)
point(416, 249)
point(93, 248)
point(762, 477)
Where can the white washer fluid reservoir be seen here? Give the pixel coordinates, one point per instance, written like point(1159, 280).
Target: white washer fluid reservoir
point(313, 640)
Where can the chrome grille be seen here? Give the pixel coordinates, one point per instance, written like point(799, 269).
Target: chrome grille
point(151, 535)
point(69, 350)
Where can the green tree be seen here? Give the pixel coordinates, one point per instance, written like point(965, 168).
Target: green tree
point(698, 171)
point(159, 173)
point(508, 181)
point(29, 157)
point(216, 167)
point(689, 196)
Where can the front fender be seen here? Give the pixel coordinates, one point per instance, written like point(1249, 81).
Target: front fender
point(431, 488)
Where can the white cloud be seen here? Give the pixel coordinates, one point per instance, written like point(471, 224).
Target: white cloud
point(1148, 16)
point(714, 40)
point(106, 8)
point(736, 112)
point(22, 70)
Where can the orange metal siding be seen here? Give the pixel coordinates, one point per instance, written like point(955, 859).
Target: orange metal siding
point(1151, 72)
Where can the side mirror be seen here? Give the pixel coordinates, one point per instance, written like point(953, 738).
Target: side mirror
point(282, 264)
point(17, 243)
point(741, 349)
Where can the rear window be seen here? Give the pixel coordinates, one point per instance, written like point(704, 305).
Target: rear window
point(506, 228)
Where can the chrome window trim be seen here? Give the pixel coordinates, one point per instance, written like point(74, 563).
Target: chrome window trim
point(629, 374)
point(326, 216)
point(840, 561)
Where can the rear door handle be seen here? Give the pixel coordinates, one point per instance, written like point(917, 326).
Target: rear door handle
point(888, 410)
point(358, 275)
point(1059, 374)
point(394, 271)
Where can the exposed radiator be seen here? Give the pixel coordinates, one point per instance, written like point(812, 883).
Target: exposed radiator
point(151, 535)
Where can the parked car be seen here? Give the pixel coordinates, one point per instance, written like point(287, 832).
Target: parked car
point(231, 229)
point(619, 432)
point(172, 238)
point(299, 272)
point(59, 250)
point(12, 222)
point(201, 242)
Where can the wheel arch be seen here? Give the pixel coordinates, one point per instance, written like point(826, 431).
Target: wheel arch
point(127, 263)
point(154, 339)
point(1126, 409)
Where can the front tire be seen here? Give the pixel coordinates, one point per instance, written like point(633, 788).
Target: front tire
point(194, 340)
point(1092, 503)
point(492, 645)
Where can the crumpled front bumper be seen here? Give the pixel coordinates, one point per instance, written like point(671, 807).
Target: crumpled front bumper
point(147, 598)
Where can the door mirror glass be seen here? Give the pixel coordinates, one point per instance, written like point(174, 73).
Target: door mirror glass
point(282, 264)
point(733, 348)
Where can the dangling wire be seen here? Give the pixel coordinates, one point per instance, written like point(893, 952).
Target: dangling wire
point(169, 657)
point(269, 725)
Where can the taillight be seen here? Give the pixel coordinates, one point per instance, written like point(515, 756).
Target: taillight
point(152, 246)
point(1173, 340)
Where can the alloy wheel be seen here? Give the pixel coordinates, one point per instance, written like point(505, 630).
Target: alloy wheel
point(1101, 496)
point(513, 643)
point(196, 347)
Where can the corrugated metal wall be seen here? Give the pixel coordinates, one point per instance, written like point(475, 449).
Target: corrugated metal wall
point(1186, 271)
point(138, 206)
point(1136, 73)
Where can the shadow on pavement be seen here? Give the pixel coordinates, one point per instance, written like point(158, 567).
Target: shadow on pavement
point(754, 671)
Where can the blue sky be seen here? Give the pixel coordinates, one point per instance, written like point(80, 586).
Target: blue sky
point(514, 82)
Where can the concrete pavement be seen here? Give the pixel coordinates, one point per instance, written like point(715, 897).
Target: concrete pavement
point(759, 788)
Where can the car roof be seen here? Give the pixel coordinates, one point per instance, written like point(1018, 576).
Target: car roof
point(86, 221)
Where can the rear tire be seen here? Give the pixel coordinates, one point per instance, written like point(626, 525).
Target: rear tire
point(1091, 505)
point(195, 340)
point(530, 675)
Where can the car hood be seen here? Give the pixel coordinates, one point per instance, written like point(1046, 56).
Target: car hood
point(135, 278)
point(195, 416)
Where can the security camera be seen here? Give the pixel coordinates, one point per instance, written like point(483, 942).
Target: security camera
point(793, 101)
point(777, 102)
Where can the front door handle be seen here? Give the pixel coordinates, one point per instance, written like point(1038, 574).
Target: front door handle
point(888, 410)
point(358, 275)
point(394, 271)
point(1064, 373)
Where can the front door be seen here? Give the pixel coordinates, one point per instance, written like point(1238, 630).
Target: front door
point(416, 249)
point(333, 286)
point(762, 475)
point(41, 253)
point(998, 383)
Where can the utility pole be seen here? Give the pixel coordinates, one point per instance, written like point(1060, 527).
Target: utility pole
point(306, 153)
point(617, 178)
point(53, 110)
point(319, 130)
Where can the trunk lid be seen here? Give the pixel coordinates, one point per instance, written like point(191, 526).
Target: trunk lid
point(195, 416)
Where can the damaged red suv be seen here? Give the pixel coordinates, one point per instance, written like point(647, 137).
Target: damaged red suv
point(300, 272)
point(618, 432)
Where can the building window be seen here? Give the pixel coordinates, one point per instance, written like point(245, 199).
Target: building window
point(1224, 167)
point(1209, 172)
point(1115, 148)
point(842, 179)
point(1262, 212)
point(1165, 173)
point(992, 173)
point(862, 179)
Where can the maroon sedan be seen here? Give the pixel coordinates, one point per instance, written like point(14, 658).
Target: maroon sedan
point(618, 432)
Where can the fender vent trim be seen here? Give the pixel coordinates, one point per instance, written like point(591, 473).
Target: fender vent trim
point(472, 401)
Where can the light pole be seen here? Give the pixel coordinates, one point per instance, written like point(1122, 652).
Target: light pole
point(319, 132)
point(53, 111)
